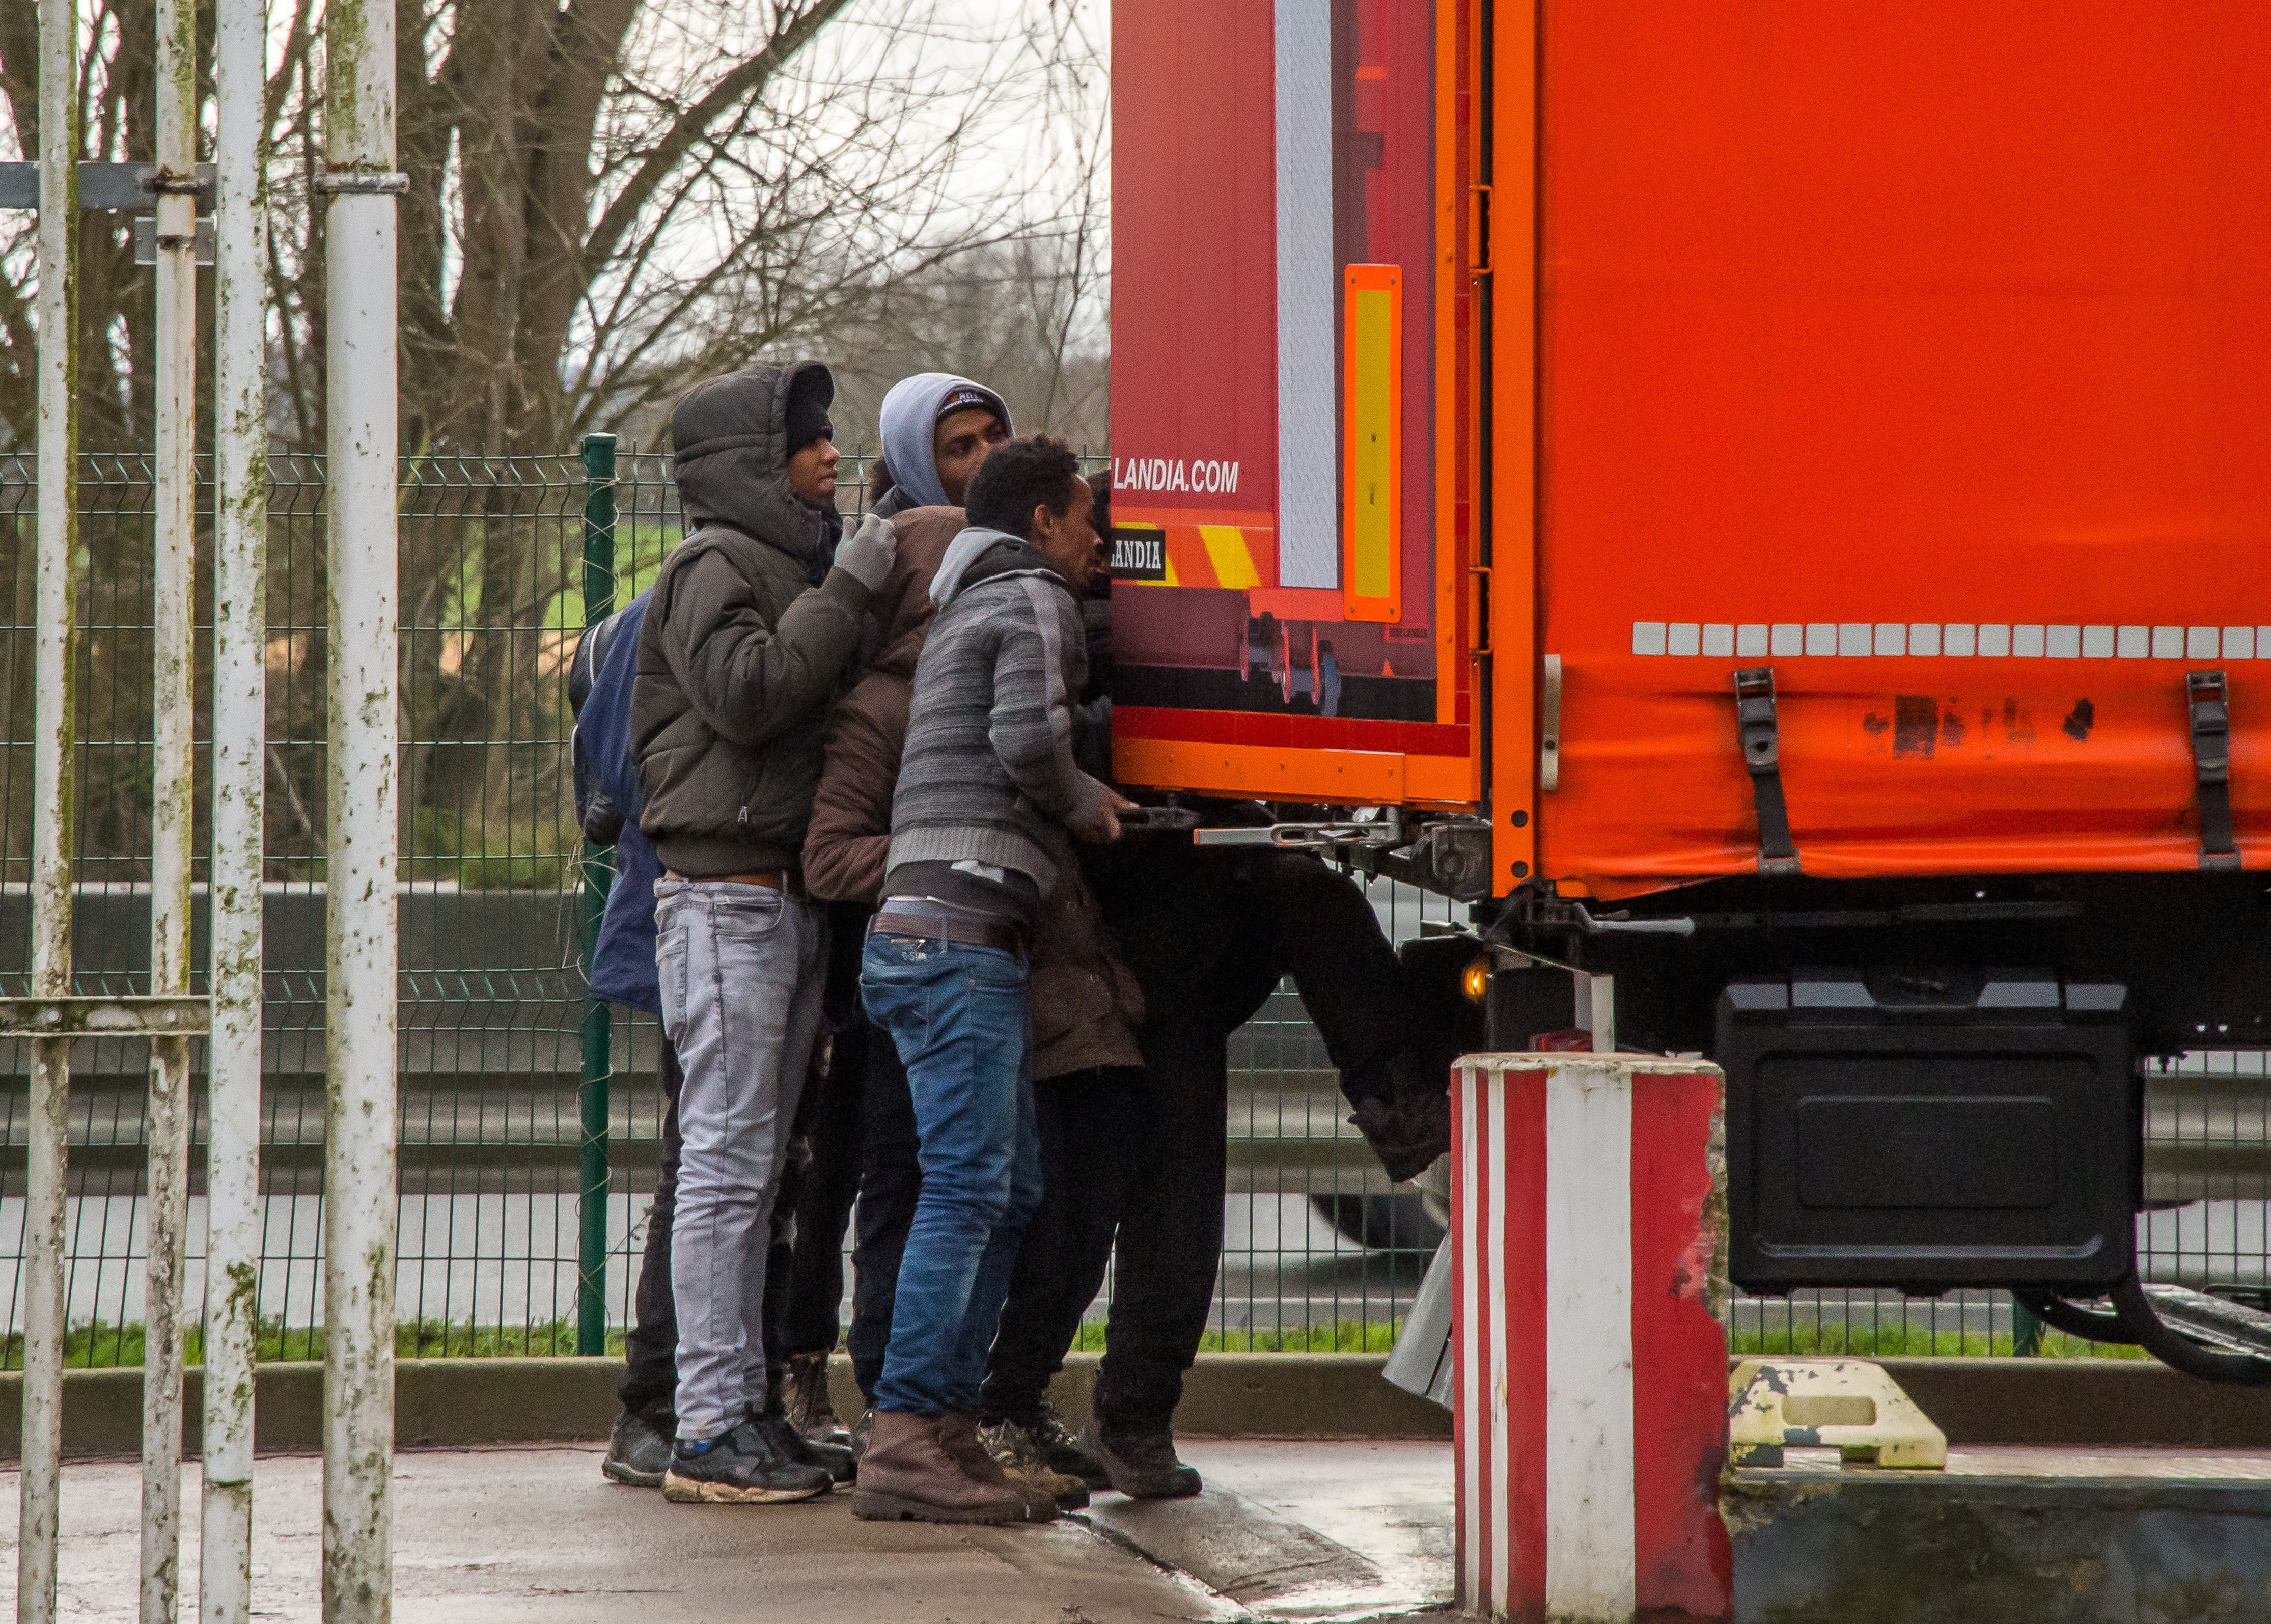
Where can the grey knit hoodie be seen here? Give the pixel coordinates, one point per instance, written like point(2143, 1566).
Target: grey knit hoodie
point(988, 774)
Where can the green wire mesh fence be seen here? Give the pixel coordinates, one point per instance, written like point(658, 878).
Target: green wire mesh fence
point(501, 1131)
point(517, 1099)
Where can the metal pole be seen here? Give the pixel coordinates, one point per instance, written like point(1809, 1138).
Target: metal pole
point(240, 723)
point(172, 779)
point(598, 871)
point(359, 1036)
point(54, 803)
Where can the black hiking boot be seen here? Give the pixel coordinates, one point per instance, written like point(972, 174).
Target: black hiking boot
point(1143, 1465)
point(742, 1467)
point(809, 1408)
point(1059, 1446)
point(841, 1465)
point(638, 1452)
point(1020, 1459)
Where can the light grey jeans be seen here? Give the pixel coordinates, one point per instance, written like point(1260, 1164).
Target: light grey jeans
point(743, 969)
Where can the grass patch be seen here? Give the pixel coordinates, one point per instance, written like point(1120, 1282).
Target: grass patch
point(89, 1347)
point(1908, 1342)
point(1340, 1337)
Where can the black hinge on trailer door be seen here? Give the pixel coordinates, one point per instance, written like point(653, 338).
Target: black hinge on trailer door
point(2211, 716)
point(1754, 717)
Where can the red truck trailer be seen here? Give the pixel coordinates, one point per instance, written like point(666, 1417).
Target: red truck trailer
point(1773, 500)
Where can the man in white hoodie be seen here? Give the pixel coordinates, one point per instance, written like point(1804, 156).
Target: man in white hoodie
point(937, 430)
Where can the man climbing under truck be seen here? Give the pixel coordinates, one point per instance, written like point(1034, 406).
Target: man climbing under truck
point(1209, 933)
point(1789, 550)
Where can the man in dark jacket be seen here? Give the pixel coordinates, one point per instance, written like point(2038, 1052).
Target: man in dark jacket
point(1210, 932)
point(987, 794)
point(747, 639)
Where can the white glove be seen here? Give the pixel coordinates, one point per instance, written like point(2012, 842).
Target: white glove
point(868, 553)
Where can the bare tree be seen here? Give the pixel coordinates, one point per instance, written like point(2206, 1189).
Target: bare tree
point(1029, 316)
point(1012, 316)
point(608, 198)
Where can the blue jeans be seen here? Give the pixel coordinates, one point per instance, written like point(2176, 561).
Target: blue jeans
point(958, 1018)
point(742, 968)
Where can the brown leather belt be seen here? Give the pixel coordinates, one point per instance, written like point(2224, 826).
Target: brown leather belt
point(941, 927)
point(771, 879)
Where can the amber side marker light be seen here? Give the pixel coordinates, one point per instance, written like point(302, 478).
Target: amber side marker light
point(1476, 982)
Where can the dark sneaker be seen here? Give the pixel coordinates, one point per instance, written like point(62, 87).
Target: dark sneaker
point(809, 1408)
point(742, 1467)
point(1063, 1451)
point(1014, 1451)
point(1143, 1465)
point(638, 1452)
point(841, 1465)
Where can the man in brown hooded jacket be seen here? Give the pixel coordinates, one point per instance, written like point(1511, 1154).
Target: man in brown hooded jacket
point(1086, 1009)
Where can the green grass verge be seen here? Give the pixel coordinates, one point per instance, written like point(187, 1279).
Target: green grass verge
point(1340, 1337)
point(89, 1347)
point(1907, 1342)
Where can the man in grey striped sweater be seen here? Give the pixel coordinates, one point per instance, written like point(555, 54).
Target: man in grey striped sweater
point(989, 799)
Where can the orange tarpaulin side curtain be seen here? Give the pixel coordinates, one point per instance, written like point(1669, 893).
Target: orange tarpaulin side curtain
point(1372, 443)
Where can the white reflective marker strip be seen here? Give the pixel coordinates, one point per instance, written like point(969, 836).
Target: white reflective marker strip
point(1590, 1525)
point(1502, 1473)
point(1952, 640)
point(1308, 482)
point(1471, 1378)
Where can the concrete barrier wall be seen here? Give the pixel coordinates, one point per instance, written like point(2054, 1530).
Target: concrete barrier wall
point(458, 1402)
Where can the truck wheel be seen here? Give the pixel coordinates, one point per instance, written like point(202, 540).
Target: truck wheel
point(1398, 1222)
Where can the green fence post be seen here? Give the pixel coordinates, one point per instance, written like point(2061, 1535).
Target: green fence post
point(597, 870)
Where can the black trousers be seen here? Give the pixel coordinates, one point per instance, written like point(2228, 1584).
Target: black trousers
point(890, 1183)
point(650, 1383)
point(1088, 1120)
point(1209, 933)
point(805, 1316)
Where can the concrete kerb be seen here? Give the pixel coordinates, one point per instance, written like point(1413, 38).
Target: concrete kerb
point(465, 1403)
point(461, 1403)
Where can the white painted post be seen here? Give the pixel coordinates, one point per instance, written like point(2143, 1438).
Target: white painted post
point(240, 727)
point(172, 777)
point(359, 1040)
point(53, 805)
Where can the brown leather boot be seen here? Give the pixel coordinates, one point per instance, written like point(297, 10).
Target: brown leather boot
point(909, 1475)
point(957, 1435)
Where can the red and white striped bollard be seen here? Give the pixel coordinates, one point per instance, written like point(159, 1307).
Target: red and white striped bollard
point(1588, 1251)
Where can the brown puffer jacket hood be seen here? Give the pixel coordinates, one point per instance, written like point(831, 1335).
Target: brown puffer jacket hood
point(729, 456)
point(901, 605)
